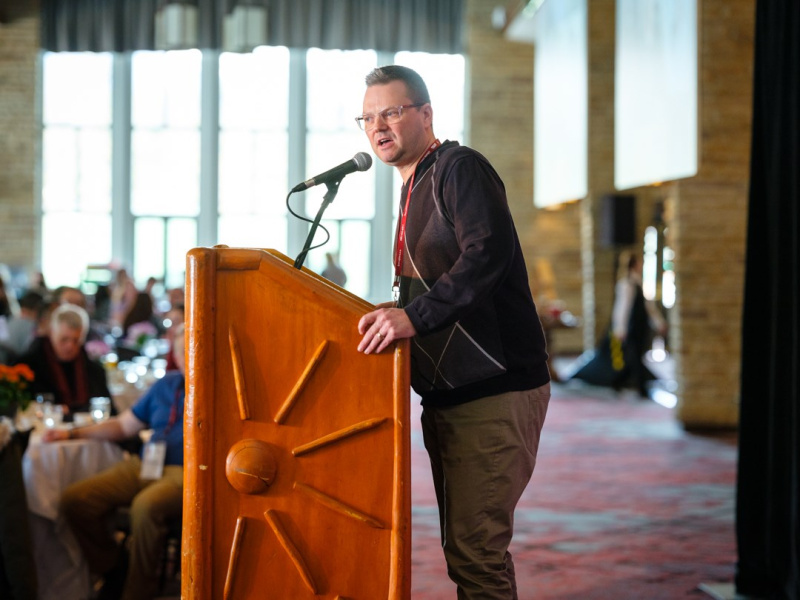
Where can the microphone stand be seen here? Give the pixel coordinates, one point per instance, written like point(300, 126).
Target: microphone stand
point(333, 188)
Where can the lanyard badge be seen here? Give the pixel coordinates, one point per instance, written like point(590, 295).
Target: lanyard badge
point(400, 246)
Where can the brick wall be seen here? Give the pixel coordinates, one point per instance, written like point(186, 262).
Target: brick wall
point(707, 221)
point(500, 77)
point(19, 43)
point(710, 216)
point(706, 214)
point(599, 262)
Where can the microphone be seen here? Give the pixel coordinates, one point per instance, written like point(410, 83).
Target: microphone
point(360, 162)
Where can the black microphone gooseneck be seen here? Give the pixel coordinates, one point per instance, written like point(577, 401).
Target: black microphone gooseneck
point(333, 187)
point(331, 178)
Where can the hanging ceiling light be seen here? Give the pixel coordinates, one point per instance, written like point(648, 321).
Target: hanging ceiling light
point(245, 28)
point(176, 27)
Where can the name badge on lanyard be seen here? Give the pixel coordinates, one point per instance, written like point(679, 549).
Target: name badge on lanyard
point(155, 453)
point(153, 460)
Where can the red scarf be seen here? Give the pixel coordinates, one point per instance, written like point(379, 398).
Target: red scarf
point(68, 396)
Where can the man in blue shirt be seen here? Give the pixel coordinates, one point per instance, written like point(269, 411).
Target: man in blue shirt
point(152, 485)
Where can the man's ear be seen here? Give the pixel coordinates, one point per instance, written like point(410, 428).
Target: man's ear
point(427, 113)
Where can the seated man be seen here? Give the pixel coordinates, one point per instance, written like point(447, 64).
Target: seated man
point(70, 295)
point(60, 363)
point(152, 488)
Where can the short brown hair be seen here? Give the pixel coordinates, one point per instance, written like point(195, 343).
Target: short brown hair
point(417, 90)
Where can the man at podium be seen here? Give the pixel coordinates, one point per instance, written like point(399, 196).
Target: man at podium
point(478, 356)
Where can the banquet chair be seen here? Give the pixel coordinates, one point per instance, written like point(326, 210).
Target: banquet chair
point(170, 563)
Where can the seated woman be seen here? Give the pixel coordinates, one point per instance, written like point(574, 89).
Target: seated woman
point(60, 363)
point(140, 312)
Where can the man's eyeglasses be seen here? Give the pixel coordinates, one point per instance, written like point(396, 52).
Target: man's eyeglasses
point(389, 115)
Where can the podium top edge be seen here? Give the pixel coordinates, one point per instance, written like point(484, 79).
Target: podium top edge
point(225, 258)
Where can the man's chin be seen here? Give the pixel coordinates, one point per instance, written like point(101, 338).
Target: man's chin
point(392, 159)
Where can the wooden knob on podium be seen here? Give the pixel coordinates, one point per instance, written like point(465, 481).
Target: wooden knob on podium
point(251, 466)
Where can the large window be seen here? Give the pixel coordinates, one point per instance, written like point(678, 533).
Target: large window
point(76, 164)
point(153, 153)
point(335, 97)
point(253, 148)
point(165, 161)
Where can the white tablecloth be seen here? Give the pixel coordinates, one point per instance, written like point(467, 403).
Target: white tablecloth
point(48, 468)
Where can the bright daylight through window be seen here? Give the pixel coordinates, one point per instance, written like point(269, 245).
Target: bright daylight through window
point(153, 153)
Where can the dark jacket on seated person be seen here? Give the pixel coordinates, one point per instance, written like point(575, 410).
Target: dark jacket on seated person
point(72, 383)
point(17, 566)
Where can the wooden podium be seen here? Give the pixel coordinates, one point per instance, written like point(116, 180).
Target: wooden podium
point(297, 451)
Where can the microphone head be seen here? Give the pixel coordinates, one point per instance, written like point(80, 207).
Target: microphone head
point(363, 161)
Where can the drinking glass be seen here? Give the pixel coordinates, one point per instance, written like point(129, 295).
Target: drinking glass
point(100, 408)
point(41, 399)
point(52, 414)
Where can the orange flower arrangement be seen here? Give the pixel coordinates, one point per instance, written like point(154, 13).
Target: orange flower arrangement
point(14, 386)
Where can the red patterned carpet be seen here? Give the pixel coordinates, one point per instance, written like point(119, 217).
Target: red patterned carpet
point(624, 505)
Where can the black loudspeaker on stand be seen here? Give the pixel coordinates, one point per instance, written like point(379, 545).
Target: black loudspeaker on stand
point(618, 220)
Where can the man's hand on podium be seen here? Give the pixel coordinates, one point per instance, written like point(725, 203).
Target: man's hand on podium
point(382, 327)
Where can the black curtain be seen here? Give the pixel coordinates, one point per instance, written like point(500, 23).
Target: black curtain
point(768, 488)
point(388, 25)
point(98, 25)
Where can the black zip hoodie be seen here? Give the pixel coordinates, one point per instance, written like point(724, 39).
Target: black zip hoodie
point(464, 284)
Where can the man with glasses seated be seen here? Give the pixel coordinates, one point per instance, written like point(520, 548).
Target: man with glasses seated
point(61, 365)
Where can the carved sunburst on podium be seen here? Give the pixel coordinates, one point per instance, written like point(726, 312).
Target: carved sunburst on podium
point(253, 465)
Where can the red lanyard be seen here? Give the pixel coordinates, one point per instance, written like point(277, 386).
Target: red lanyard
point(399, 254)
point(173, 410)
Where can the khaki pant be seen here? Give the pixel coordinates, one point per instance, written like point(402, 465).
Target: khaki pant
point(482, 456)
point(88, 505)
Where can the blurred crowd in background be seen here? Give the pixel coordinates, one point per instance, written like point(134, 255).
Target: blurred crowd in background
point(61, 332)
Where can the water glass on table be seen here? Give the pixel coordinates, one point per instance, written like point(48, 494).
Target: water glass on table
point(52, 414)
point(42, 399)
point(100, 408)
